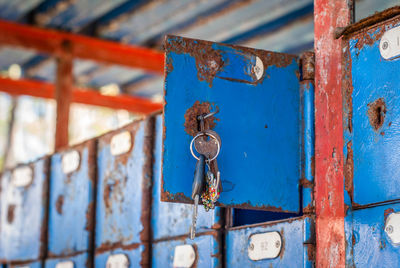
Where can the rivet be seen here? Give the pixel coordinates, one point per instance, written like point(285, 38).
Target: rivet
point(389, 229)
point(385, 45)
point(251, 247)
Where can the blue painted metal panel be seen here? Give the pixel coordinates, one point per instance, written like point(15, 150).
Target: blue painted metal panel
point(207, 247)
point(297, 244)
point(138, 256)
point(23, 215)
point(79, 260)
point(123, 195)
point(372, 121)
point(36, 264)
point(71, 207)
point(368, 245)
point(169, 219)
point(259, 122)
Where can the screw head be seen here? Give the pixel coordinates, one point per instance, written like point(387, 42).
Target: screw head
point(385, 45)
point(251, 246)
point(277, 244)
point(257, 70)
point(389, 229)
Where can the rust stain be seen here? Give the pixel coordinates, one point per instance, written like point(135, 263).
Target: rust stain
point(46, 203)
point(59, 204)
point(307, 61)
point(311, 249)
point(347, 85)
point(282, 252)
point(353, 239)
point(11, 213)
point(89, 217)
point(387, 212)
point(348, 170)
point(191, 123)
point(313, 166)
point(376, 113)
point(306, 183)
point(169, 67)
point(309, 209)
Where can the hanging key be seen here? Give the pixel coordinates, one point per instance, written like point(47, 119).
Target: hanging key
point(197, 190)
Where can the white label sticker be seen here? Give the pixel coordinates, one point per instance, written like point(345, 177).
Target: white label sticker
point(70, 161)
point(389, 46)
point(22, 176)
point(392, 227)
point(121, 143)
point(264, 246)
point(184, 256)
point(117, 261)
point(65, 264)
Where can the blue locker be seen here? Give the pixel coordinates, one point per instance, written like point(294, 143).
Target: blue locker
point(204, 251)
point(72, 196)
point(285, 243)
point(133, 257)
point(372, 236)
point(124, 181)
point(23, 221)
point(260, 119)
point(171, 219)
point(76, 261)
point(372, 113)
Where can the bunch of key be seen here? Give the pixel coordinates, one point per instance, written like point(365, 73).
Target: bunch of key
point(206, 185)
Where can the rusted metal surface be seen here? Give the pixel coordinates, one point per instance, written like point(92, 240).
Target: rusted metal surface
point(191, 117)
point(124, 191)
point(329, 186)
point(72, 198)
point(78, 260)
point(23, 220)
point(307, 61)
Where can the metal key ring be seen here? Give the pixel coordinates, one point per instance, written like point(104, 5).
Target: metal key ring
point(205, 134)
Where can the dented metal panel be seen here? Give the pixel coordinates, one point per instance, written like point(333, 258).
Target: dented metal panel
point(371, 114)
point(368, 237)
point(171, 219)
point(258, 97)
point(23, 220)
point(71, 208)
point(134, 256)
point(207, 251)
point(79, 260)
point(124, 180)
point(297, 244)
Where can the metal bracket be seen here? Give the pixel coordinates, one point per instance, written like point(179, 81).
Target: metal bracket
point(392, 227)
point(389, 45)
point(264, 246)
point(184, 256)
point(121, 143)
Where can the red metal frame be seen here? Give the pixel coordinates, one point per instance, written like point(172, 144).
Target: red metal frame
point(79, 95)
point(329, 188)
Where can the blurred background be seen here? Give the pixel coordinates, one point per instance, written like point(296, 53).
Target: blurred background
point(27, 124)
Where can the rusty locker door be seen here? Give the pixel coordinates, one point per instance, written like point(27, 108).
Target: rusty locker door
point(260, 120)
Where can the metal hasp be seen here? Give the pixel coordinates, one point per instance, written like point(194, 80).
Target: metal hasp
point(169, 220)
point(372, 113)
point(272, 244)
point(71, 206)
point(23, 208)
point(124, 161)
point(78, 260)
point(260, 120)
point(204, 251)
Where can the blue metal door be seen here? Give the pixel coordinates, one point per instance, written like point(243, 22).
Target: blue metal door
point(372, 114)
point(23, 212)
point(71, 207)
point(257, 94)
point(124, 180)
point(272, 244)
point(79, 260)
point(171, 219)
point(204, 251)
point(133, 257)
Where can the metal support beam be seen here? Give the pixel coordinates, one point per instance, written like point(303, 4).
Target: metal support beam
point(79, 95)
point(329, 188)
point(51, 42)
point(64, 84)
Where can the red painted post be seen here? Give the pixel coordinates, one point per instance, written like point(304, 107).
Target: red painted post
point(329, 191)
point(64, 84)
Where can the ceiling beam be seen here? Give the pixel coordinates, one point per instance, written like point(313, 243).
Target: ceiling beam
point(51, 42)
point(79, 95)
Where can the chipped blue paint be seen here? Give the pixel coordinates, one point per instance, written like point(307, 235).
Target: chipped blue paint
point(122, 185)
point(296, 235)
point(135, 256)
point(368, 245)
point(375, 151)
point(259, 124)
point(307, 89)
point(79, 260)
point(170, 219)
point(71, 203)
point(21, 235)
point(208, 250)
